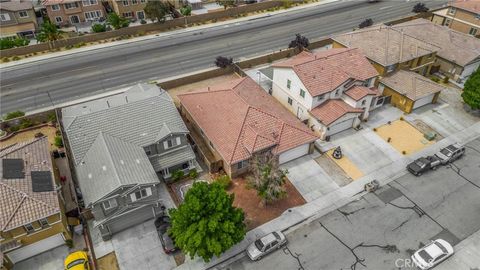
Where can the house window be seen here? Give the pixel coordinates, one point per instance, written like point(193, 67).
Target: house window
point(447, 22)
point(185, 166)
point(290, 101)
point(89, 2)
point(23, 14)
point(364, 102)
point(142, 1)
point(140, 194)
point(473, 31)
point(58, 19)
point(125, 2)
point(302, 93)
point(390, 68)
point(74, 19)
point(171, 142)
point(289, 83)
point(134, 2)
point(71, 5)
point(319, 98)
point(111, 203)
point(55, 7)
point(92, 15)
point(43, 222)
point(452, 10)
point(147, 150)
point(128, 14)
point(29, 228)
point(140, 15)
point(336, 92)
point(477, 17)
point(242, 164)
point(4, 17)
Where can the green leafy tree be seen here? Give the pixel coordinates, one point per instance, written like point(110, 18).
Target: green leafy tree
point(14, 114)
point(186, 10)
point(156, 10)
point(268, 179)
point(471, 90)
point(49, 32)
point(207, 223)
point(226, 3)
point(116, 21)
point(58, 142)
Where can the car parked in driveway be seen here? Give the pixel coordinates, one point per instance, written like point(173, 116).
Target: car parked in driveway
point(450, 153)
point(265, 245)
point(163, 224)
point(423, 164)
point(432, 254)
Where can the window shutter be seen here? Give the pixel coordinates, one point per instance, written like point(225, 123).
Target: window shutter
point(178, 140)
point(149, 191)
point(165, 144)
point(132, 196)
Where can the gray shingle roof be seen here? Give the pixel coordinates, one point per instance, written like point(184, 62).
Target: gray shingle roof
point(172, 158)
point(141, 115)
point(110, 163)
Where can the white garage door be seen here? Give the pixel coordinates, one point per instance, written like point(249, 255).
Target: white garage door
point(294, 153)
point(423, 101)
point(36, 248)
point(341, 126)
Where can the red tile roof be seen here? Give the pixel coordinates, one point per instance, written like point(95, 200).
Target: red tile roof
point(358, 92)
point(240, 118)
point(332, 110)
point(470, 5)
point(323, 71)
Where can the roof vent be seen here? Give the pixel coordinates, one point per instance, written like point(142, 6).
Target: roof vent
point(89, 176)
point(104, 167)
point(122, 162)
point(137, 160)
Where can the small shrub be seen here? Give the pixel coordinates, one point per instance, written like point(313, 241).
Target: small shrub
point(375, 129)
point(5, 59)
point(404, 152)
point(39, 135)
point(269, 60)
point(16, 58)
point(223, 62)
point(366, 23)
point(142, 21)
point(81, 44)
point(401, 118)
point(68, 47)
point(224, 181)
point(435, 79)
point(98, 28)
point(445, 80)
point(14, 114)
point(58, 142)
point(25, 123)
point(52, 117)
point(177, 175)
point(193, 174)
point(14, 128)
point(389, 139)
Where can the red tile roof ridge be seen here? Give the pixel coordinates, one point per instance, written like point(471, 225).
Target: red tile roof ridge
point(237, 141)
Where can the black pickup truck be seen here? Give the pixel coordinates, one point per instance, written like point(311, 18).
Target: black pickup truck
point(423, 164)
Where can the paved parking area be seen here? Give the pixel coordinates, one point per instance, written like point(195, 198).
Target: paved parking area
point(309, 178)
point(49, 260)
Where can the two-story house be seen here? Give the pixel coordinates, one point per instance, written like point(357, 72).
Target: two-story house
point(32, 218)
point(122, 145)
point(17, 18)
point(131, 9)
point(74, 12)
point(390, 49)
point(238, 121)
point(330, 90)
point(459, 53)
point(460, 15)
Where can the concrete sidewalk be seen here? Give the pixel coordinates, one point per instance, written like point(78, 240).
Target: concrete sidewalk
point(466, 257)
point(329, 202)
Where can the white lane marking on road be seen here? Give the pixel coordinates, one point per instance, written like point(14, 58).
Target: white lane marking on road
point(385, 7)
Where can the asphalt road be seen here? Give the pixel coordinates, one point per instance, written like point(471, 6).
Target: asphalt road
point(381, 230)
point(52, 81)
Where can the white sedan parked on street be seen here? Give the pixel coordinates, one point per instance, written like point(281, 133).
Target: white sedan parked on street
point(265, 245)
point(432, 254)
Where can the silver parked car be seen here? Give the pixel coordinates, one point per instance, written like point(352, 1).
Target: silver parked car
point(450, 153)
point(432, 254)
point(265, 245)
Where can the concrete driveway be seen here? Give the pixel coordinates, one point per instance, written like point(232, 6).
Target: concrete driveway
point(309, 178)
point(137, 247)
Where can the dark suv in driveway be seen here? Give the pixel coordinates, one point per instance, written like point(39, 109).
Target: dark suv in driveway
point(163, 224)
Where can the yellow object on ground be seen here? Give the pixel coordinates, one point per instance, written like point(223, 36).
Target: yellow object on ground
point(404, 137)
point(77, 261)
point(347, 166)
point(108, 262)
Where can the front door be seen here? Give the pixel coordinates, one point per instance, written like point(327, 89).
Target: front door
point(299, 113)
point(74, 19)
